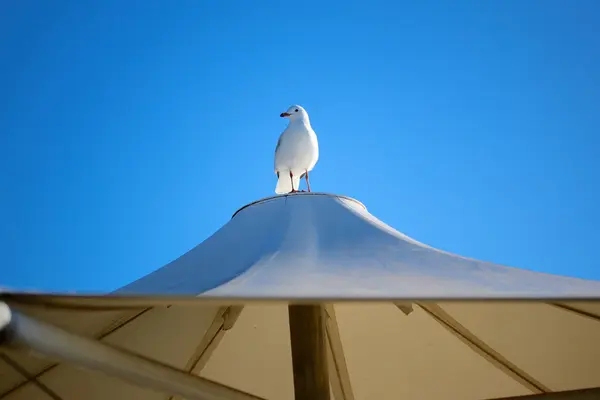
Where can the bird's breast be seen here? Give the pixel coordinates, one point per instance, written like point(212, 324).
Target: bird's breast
point(298, 149)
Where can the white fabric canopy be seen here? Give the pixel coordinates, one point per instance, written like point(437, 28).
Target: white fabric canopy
point(322, 246)
point(404, 320)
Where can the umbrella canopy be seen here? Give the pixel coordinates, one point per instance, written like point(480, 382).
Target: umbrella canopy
point(400, 319)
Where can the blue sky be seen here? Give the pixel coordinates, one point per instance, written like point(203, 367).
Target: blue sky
point(131, 131)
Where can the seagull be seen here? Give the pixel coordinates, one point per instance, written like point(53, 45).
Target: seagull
point(297, 151)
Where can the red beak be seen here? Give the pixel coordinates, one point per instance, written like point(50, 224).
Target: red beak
point(282, 115)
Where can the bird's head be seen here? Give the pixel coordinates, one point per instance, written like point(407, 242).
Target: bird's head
point(294, 113)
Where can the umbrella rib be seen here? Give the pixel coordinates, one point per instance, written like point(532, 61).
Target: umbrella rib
point(405, 307)
point(577, 311)
point(106, 333)
point(223, 321)
point(577, 394)
point(482, 348)
point(88, 353)
point(30, 377)
point(340, 378)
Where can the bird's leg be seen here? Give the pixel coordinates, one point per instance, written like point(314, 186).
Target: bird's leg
point(292, 180)
point(307, 182)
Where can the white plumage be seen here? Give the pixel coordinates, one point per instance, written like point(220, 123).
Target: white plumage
point(297, 151)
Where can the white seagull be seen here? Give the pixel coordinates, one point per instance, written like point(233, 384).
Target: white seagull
point(297, 151)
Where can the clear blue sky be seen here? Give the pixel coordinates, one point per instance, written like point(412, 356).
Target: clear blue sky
point(132, 130)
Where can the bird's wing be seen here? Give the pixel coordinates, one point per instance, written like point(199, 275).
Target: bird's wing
point(276, 150)
point(278, 144)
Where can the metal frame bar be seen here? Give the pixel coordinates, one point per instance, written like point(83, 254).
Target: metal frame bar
point(105, 333)
point(339, 377)
point(24, 331)
point(482, 348)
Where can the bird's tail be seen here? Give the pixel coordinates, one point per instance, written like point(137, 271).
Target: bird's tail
point(284, 183)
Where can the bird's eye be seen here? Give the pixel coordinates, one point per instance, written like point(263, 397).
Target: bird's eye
point(296, 110)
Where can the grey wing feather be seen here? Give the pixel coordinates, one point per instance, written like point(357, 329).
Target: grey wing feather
point(277, 148)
